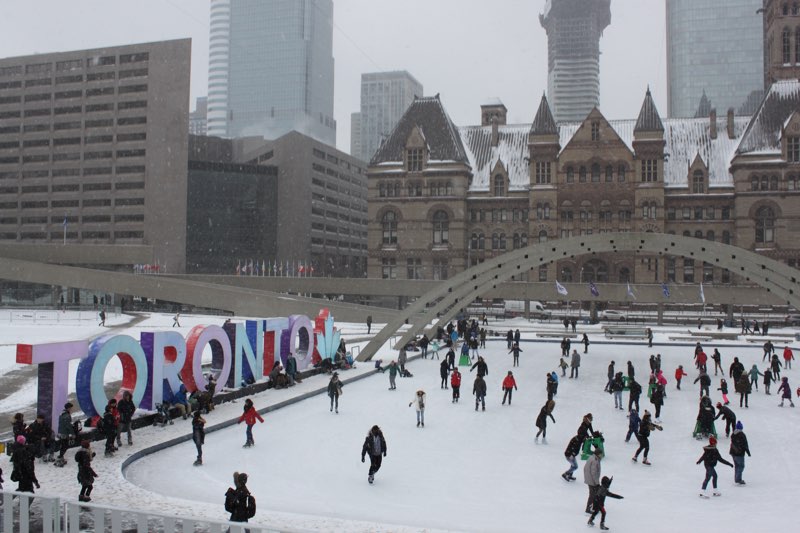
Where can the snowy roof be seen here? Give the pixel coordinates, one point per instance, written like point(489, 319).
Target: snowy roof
point(428, 114)
point(764, 131)
point(511, 150)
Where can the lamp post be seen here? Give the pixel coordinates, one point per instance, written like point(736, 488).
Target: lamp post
point(580, 303)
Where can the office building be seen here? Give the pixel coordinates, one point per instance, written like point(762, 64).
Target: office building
point(198, 119)
point(271, 69)
point(93, 155)
point(385, 96)
point(714, 48)
point(574, 28)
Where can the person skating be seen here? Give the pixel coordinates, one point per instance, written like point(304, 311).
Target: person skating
point(176, 320)
point(369, 324)
point(631, 371)
point(574, 364)
point(198, 435)
point(728, 416)
point(479, 391)
point(238, 500)
point(126, 408)
point(776, 367)
point(565, 344)
point(541, 420)
point(739, 447)
point(788, 357)
point(515, 349)
point(509, 383)
point(249, 417)
point(599, 502)
point(375, 447)
point(736, 369)
point(634, 391)
point(563, 366)
point(705, 417)
point(483, 369)
point(585, 430)
point(768, 349)
point(509, 339)
point(717, 358)
point(754, 374)
point(705, 383)
point(610, 373)
point(709, 459)
point(571, 454)
point(102, 318)
point(679, 374)
point(617, 386)
point(393, 375)
point(643, 436)
point(633, 424)
point(455, 384)
point(585, 341)
point(657, 399)
point(649, 338)
point(86, 473)
point(744, 389)
point(402, 357)
point(419, 401)
point(768, 379)
point(551, 384)
point(786, 391)
point(423, 345)
point(723, 389)
point(24, 468)
point(334, 391)
point(591, 476)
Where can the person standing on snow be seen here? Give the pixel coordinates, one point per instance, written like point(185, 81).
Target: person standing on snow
point(419, 401)
point(617, 386)
point(238, 501)
point(126, 408)
point(515, 349)
point(788, 356)
point(705, 383)
point(709, 459)
point(508, 384)
point(375, 447)
point(455, 383)
point(776, 367)
point(444, 367)
point(679, 374)
point(392, 375)
point(717, 358)
point(541, 420)
point(743, 388)
point(767, 380)
point(610, 373)
point(86, 473)
point(249, 417)
point(198, 435)
point(600, 502)
point(585, 341)
point(635, 390)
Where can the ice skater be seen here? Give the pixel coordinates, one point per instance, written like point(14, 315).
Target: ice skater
point(739, 447)
point(515, 349)
point(541, 420)
point(679, 374)
point(643, 436)
point(249, 417)
point(723, 388)
point(600, 502)
point(786, 391)
point(176, 320)
point(728, 416)
point(198, 435)
point(444, 367)
point(479, 391)
point(572, 451)
point(455, 383)
point(334, 391)
point(375, 447)
point(509, 383)
point(709, 459)
point(419, 401)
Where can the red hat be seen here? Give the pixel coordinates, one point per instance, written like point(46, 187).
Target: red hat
point(712, 440)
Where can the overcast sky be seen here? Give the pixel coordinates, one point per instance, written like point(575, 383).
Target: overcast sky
point(466, 50)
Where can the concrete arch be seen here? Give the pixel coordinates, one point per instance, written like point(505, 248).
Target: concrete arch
point(441, 304)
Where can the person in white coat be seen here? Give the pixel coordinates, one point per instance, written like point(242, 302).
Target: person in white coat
point(419, 404)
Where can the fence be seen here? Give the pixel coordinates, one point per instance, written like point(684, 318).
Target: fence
point(24, 512)
point(52, 316)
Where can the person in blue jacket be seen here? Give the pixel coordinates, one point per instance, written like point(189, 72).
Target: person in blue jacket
point(633, 424)
point(180, 401)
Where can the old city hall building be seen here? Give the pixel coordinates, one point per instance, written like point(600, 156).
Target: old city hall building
point(443, 197)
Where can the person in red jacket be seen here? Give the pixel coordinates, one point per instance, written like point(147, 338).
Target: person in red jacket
point(679, 373)
point(455, 383)
point(702, 358)
point(508, 384)
point(787, 357)
point(249, 417)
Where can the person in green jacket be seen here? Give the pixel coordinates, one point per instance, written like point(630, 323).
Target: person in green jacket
point(754, 373)
point(392, 375)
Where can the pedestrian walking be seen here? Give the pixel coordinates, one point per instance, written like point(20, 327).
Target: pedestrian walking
point(249, 417)
point(198, 435)
point(509, 383)
point(375, 447)
point(455, 383)
point(739, 447)
point(369, 324)
point(709, 459)
point(86, 473)
point(541, 420)
point(479, 391)
point(176, 320)
point(126, 408)
point(418, 402)
point(334, 391)
point(102, 317)
point(649, 338)
point(599, 503)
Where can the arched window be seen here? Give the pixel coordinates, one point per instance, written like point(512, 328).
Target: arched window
point(502, 241)
point(609, 173)
point(481, 241)
point(516, 242)
point(570, 174)
point(566, 275)
point(389, 227)
point(621, 173)
point(787, 55)
point(794, 8)
point(624, 275)
point(796, 42)
point(523, 239)
point(543, 236)
point(473, 242)
point(382, 189)
point(698, 182)
point(499, 186)
point(595, 173)
point(495, 241)
point(710, 236)
point(441, 228)
point(698, 234)
point(726, 237)
point(754, 183)
point(546, 211)
point(764, 183)
point(582, 174)
point(773, 183)
point(687, 233)
point(449, 189)
point(595, 270)
point(785, 9)
point(765, 225)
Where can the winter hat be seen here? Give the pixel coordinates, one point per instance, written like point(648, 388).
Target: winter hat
point(68, 405)
point(739, 425)
point(85, 444)
point(719, 404)
point(20, 439)
point(242, 478)
point(712, 441)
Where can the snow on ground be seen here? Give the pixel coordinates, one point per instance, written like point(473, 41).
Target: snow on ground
point(465, 471)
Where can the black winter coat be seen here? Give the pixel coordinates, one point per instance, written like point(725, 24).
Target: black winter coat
point(126, 410)
point(711, 456)
point(366, 449)
point(739, 443)
point(584, 430)
point(541, 420)
point(573, 448)
point(483, 369)
point(24, 472)
point(479, 387)
point(86, 474)
point(726, 414)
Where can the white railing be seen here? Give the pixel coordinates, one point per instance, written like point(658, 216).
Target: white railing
point(27, 513)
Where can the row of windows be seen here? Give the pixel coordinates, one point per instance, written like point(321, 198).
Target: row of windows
point(86, 219)
point(104, 186)
point(772, 183)
point(75, 93)
point(414, 268)
point(597, 175)
point(786, 45)
point(71, 78)
point(498, 240)
point(395, 189)
point(498, 215)
point(688, 271)
point(441, 228)
point(66, 141)
point(73, 64)
point(698, 213)
point(69, 110)
point(41, 235)
point(87, 156)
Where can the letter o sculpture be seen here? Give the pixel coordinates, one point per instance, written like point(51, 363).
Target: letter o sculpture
point(192, 372)
point(89, 380)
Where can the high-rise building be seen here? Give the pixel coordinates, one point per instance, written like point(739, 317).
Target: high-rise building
point(270, 68)
point(355, 133)
point(93, 155)
point(198, 119)
point(716, 48)
point(385, 96)
point(574, 28)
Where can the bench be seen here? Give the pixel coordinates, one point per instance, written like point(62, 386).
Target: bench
point(625, 332)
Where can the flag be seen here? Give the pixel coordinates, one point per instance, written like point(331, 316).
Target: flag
point(593, 289)
point(702, 294)
point(263, 268)
point(562, 290)
point(66, 222)
point(301, 269)
point(630, 291)
point(665, 290)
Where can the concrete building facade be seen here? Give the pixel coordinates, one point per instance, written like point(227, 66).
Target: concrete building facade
point(714, 49)
point(93, 152)
point(271, 68)
point(385, 96)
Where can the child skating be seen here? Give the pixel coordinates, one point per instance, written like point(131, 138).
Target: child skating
point(709, 459)
point(455, 383)
point(785, 391)
point(249, 417)
point(598, 505)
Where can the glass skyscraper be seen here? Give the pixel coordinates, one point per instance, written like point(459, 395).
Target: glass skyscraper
point(716, 46)
point(271, 68)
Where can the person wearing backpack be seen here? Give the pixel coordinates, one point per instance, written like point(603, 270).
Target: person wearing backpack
point(238, 501)
point(86, 473)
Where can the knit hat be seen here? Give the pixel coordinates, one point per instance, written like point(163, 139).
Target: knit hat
point(739, 425)
point(712, 440)
point(20, 439)
point(68, 405)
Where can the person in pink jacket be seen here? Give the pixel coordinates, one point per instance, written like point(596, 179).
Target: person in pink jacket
point(249, 417)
